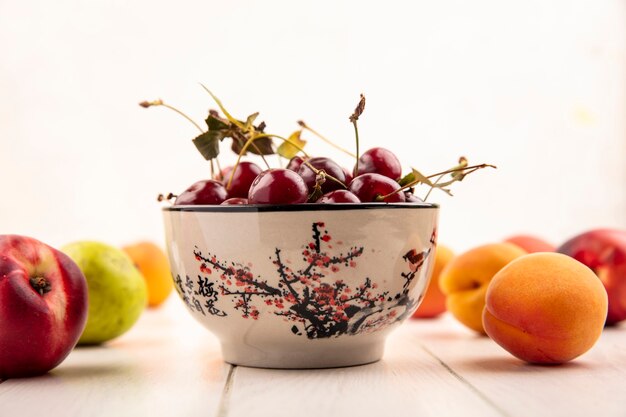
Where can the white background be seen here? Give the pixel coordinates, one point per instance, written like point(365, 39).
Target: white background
point(535, 87)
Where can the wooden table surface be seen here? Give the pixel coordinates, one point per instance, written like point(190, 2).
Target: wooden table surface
point(169, 365)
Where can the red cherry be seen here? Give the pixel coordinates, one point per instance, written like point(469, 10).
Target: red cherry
point(278, 186)
point(412, 198)
point(234, 201)
point(380, 161)
point(203, 192)
point(327, 165)
point(348, 175)
point(339, 196)
point(295, 163)
point(368, 187)
point(245, 173)
point(224, 173)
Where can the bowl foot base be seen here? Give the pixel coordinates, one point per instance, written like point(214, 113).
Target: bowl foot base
point(310, 358)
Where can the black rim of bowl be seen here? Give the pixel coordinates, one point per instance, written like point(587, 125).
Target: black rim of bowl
point(256, 208)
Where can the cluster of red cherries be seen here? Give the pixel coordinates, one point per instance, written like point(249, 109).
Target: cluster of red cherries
point(375, 178)
point(305, 180)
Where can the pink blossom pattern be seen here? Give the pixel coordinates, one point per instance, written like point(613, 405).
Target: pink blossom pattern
point(314, 297)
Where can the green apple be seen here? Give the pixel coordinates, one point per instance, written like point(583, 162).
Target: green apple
point(117, 290)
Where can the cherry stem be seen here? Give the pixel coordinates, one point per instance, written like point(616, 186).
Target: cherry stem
point(184, 115)
point(258, 152)
point(267, 164)
point(168, 197)
point(243, 150)
point(222, 108)
point(236, 123)
point(268, 135)
point(432, 188)
point(449, 171)
point(219, 168)
point(159, 102)
point(249, 142)
point(315, 170)
point(358, 111)
point(326, 175)
point(328, 141)
point(40, 284)
point(356, 134)
point(470, 169)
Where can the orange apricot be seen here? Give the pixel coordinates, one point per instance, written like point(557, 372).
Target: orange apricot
point(154, 266)
point(434, 302)
point(465, 279)
point(545, 308)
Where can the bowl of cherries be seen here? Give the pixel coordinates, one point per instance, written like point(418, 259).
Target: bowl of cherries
point(306, 266)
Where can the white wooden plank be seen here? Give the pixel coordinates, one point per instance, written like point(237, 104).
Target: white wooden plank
point(167, 365)
point(407, 382)
point(590, 385)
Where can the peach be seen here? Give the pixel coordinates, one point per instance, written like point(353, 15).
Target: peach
point(531, 244)
point(604, 251)
point(545, 308)
point(434, 302)
point(153, 264)
point(465, 279)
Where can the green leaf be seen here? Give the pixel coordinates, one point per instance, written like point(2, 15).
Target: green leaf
point(450, 182)
point(260, 146)
point(208, 144)
point(287, 149)
point(237, 145)
point(221, 106)
point(248, 125)
point(216, 123)
point(407, 179)
point(421, 178)
point(459, 175)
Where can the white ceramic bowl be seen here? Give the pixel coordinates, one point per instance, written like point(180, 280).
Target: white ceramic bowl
point(301, 286)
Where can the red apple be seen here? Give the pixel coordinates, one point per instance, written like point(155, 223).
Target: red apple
point(43, 306)
point(604, 251)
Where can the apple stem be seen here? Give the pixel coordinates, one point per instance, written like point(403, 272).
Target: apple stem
point(40, 284)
